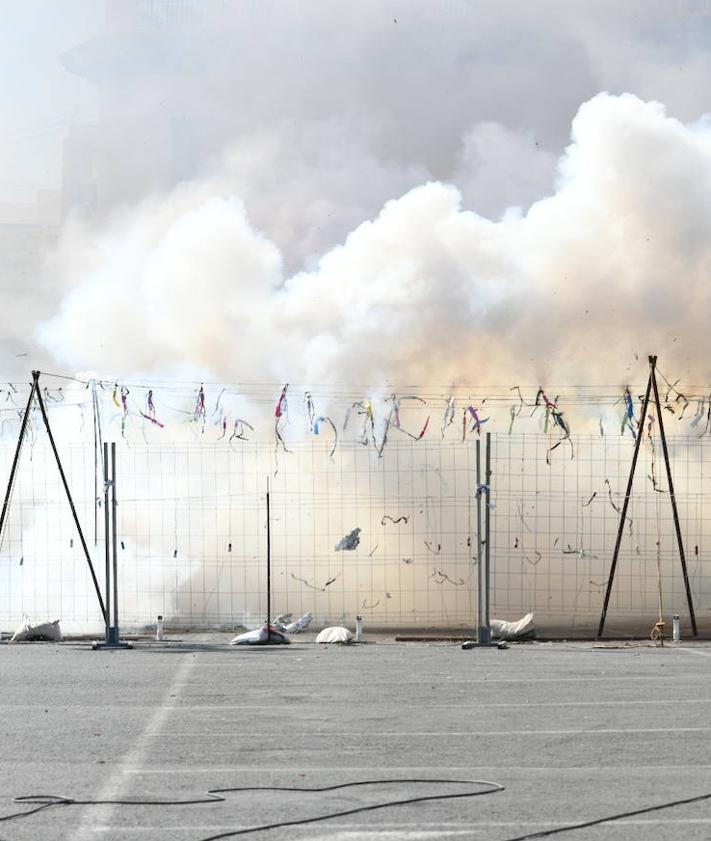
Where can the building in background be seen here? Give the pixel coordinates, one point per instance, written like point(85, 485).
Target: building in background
point(153, 67)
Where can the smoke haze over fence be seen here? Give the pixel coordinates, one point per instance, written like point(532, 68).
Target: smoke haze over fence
point(367, 202)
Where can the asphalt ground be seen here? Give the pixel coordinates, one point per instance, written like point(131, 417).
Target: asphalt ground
point(573, 732)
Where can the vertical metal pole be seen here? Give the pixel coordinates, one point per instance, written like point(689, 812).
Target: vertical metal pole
point(96, 462)
point(107, 543)
point(114, 538)
point(269, 566)
point(18, 449)
point(680, 543)
point(481, 633)
point(487, 535)
point(625, 504)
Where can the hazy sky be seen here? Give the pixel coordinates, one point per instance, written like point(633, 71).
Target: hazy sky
point(40, 100)
point(412, 79)
point(248, 149)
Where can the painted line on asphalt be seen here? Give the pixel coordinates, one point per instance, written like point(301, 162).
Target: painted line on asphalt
point(112, 788)
point(535, 769)
point(396, 734)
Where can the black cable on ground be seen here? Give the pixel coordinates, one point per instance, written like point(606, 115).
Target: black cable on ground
point(546, 833)
point(48, 801)
point(216, 795)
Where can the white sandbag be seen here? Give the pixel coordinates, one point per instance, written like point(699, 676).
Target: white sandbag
point(44, 632)
point(300, 624)
point(335, 635)
point(523, 629)
point(262, 636)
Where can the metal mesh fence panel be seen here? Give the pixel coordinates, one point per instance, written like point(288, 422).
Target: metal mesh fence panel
point(392, 538)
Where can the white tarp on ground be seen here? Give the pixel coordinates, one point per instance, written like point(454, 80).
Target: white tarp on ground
point(523, 629)
point(46, 631)
point(266, 635)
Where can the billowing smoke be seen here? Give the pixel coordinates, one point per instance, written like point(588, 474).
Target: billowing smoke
point(611, 264)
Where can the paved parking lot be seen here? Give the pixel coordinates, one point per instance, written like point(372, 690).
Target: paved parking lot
point(573, 732)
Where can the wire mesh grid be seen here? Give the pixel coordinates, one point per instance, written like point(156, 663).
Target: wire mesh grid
point(389, 538)
point(556, 522)
point(392, 539)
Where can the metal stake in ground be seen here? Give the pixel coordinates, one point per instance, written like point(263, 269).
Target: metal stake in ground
point(113, 640)
point(269, 568)
point(483, 636)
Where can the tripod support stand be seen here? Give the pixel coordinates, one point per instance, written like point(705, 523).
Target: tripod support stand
point(651, 388)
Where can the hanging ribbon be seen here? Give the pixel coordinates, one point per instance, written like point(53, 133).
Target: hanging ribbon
point(239, 427)
point(150, 413)
point(394, 420)
point(515, 411)
point(199, 412)
point(282, 407)
point(628, 419)
point(282, 410)
point(448, 415)
point(310, 409)
point(560, 422)
point(316, 430)
point(476, 422)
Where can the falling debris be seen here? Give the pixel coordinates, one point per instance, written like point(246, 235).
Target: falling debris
point(407, 560)
point(366, 606)
point(349, 542)
point(440, 577)
point(307, 583)
point(435, 549)
point(612, 503)
point(609, 494)
point(395, 520)
point(585, 504)
point(519, 509)
point(581, 553)
point(537, 560)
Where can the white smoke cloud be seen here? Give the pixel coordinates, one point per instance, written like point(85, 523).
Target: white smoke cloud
point(611, 264)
